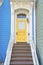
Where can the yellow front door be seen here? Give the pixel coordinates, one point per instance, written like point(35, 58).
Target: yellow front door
point(21, 30)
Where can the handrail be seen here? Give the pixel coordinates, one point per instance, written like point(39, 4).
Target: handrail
point(34, 54)
point(8, 54)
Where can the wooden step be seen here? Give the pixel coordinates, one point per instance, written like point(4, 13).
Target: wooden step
point(21, 58)
point(22, 64)
point(22, 43)
point(21, 52)
point(21, 49)
point(29, 63)
point(21, 55)
point(21, 46)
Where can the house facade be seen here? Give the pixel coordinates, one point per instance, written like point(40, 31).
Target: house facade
point(11, 13)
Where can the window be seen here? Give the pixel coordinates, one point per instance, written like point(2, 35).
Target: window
point(21, 16)
point(21, 25)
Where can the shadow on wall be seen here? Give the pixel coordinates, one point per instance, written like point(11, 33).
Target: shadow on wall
point(4, 28)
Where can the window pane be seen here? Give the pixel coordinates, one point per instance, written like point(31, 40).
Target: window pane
point(21, 16)
point(21, 25)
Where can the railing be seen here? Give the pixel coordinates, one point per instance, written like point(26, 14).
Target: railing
point(8, 54)
point(34, 54)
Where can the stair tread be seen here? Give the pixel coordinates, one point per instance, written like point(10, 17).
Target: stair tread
point(21, 58)
point(21, 54)
point(21, 51)
point(22, 64)
point(22, 45)
point(22, 48)
point(15, 62)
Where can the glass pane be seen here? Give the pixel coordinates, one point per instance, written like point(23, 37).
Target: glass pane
point(21, 16)
point(21, 25)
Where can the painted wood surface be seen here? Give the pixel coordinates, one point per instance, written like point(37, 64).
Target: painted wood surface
point(4, 28)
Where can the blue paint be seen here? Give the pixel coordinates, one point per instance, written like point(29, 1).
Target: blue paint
point(33, 24)
point(4, 28)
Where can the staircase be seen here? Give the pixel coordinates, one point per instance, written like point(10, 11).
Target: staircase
point(21, 54)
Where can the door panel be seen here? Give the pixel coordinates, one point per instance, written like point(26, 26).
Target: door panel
point(21, 30)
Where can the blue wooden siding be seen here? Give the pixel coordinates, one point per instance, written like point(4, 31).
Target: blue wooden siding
point(4, 28)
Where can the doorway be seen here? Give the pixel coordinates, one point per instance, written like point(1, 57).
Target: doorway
point(21, 29)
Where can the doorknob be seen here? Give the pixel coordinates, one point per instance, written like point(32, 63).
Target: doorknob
point(16, 33)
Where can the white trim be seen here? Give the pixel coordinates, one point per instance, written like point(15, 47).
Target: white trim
point(34, 24)
point(30, 18)
point(34, 54)
point(9, 52)
point(12, 23)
